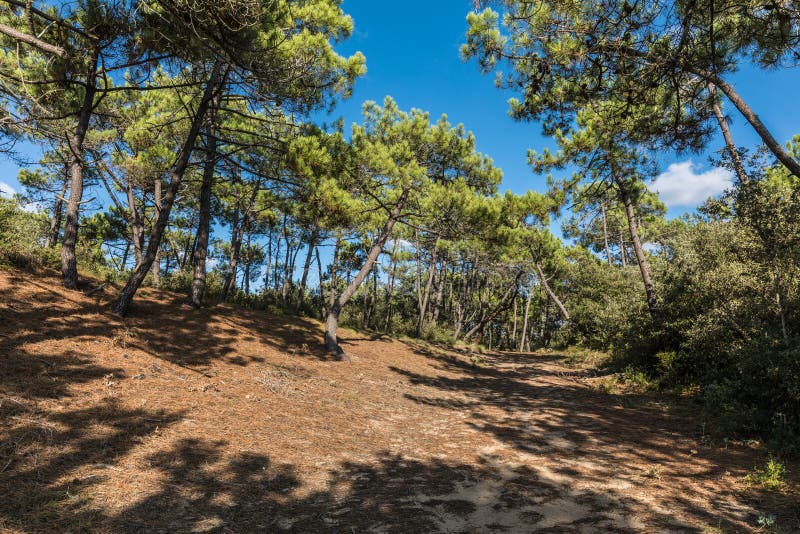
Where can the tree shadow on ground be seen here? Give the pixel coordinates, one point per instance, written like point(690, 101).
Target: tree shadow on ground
point(545, 412)
point(203, 488)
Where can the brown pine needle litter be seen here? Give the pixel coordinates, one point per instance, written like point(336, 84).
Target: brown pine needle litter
point(227, 420)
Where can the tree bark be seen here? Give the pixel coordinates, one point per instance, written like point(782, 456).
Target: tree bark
point(157, 206)
point(736, 158)
point(525, 322)
point(605, 231)
point(551, 293)
point(332, 320)
point(69, 262)
point(426, 294)
point(55, 220)
point(138, 275)
point(312, 245)
point(504, 304)
point(204, 221)
point(774, 146)
point(641, 259)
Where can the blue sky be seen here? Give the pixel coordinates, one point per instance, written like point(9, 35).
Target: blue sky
point(412, 51)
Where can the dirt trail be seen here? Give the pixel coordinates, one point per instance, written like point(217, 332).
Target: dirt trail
point(223, 420)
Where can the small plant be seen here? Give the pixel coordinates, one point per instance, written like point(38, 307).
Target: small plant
point(637, 378)
point(654, 471)
point(608, 386)
point(770, 477)
point(766, 521)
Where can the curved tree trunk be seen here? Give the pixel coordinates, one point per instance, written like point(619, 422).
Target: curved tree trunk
point(551, 293)
point(332, 319)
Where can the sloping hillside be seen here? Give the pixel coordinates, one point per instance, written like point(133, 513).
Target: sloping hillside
point(224, 420)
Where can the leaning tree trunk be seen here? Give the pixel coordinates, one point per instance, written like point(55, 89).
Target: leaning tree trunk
point(641, 259)
point(204, 223)
point(332, 319)
point(551, 293)
point(138, 275)
point(772, 144)
point(504, 304)
point(736, 158)
point(69, 261)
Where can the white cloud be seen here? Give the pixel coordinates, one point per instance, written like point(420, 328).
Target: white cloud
point(682, 185)
point(6, 191)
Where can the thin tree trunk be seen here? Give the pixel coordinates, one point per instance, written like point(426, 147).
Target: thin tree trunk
point(551, 293)
point(246, 273)
point(157, 206)
point(390, 286)
point(774, 146)
point(69, 261)
point(269, 261)
point(622, 252)
point(641, 259)
point(179, 168)
point(55, 220)
point(312, 245)
point(332, 320)
point(736, 158)
point(605, 231)
point(503, 305)
point(525, 322)
point(426, 295)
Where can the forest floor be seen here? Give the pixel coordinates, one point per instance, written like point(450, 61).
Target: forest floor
point(227, 420)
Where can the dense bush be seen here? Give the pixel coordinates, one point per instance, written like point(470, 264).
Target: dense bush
point(22, 235)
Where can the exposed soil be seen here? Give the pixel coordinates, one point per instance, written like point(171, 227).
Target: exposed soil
point(224, 420)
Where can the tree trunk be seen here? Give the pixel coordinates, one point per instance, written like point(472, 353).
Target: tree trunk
point(774, 146)
point(551, 293)
point(622, 252)
point(605, 231)
point(55, 220)
point(736, 158)
point(312, 245)
point(503, 305)
point(390, 286)
point(204, 222)
point(69, 262)
point(525, 322)
point(157, 193)
point(214, 83)
point(229, 281)
point(332, 321)
point(641, 259)
point(426, 294)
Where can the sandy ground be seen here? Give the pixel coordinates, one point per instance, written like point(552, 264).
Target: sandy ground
point(223, 420)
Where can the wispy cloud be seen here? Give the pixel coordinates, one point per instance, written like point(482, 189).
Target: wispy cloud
point(681, 184)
